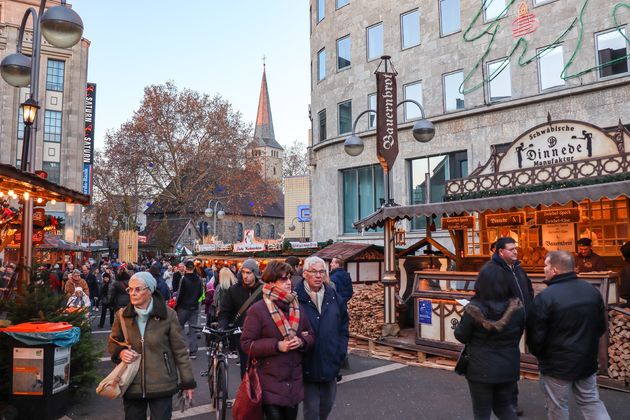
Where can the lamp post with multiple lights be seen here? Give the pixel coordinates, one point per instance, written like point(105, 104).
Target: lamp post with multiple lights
point(215, 210)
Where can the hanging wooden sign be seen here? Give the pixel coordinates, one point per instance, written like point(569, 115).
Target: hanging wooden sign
point(458, 223)
point(386, 120)
point(505, 219)
point(557, 216)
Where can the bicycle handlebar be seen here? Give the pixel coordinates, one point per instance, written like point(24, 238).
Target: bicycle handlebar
point(212, 331)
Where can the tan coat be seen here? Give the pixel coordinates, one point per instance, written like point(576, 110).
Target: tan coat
point(165, 367)
point(70, 285)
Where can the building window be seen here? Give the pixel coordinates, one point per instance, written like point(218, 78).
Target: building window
point(341, 3)
point(52, 126)
point(550, 65)
point(53, 171)
point(321, 64)
point(239, 232)
point(272, 231)
point(453, 98)
point(321, 117)
point(343, 53)
point(493, 9)
point(20, 127)
point(612, 48)
point(257, 230)
point(539, 2)
point(362, 190)
point(410, 29)
point(372, 106)
point(412, 91)
point(439, 169)
point(501, 83)
point(450, 20)
point(605, 222)
point(54, 75)
point(375, 41)
point(321, 10)
point(345, 117)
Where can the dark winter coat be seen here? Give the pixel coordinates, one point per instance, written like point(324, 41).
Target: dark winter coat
point(232, 300)
point(323, 361)
point(92, 283)
point(118, 297)
point(165, 367)
point(343, 283)
point(564, 326)
point(280, 373)
point(521, 285)
point(492, 332)
point(190, 292)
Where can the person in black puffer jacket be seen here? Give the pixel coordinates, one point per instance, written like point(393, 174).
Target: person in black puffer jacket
point(117, 294)
point(564, 326)
point(491, 329)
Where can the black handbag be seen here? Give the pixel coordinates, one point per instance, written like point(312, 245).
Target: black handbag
point(462, 362)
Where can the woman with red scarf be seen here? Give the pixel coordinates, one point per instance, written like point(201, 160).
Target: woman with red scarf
point(277, 336)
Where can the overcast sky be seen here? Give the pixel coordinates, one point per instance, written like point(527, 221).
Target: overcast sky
point(210, 46)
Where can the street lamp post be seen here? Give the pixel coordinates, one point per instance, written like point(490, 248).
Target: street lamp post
point(213, 211)
point(387, 151)
point(126, 219)
point(292, 227)
point(62, 27)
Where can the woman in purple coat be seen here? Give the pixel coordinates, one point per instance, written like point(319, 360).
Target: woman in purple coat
point(277, 336)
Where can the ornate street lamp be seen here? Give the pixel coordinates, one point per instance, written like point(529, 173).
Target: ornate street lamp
point(387, 151)
point(212, 211)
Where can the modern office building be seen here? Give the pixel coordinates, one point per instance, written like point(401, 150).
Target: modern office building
point(60, 133)
point(485, 72)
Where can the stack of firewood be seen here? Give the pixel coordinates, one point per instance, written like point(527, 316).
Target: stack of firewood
point(619, 348)
point(366, 310)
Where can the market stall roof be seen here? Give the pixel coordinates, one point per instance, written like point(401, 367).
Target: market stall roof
point(609, 190)
point(14, 179)
point(347, 251)
point(55, 243)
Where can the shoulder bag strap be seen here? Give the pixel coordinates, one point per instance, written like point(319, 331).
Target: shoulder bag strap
point(124, 330)
point(247, 303)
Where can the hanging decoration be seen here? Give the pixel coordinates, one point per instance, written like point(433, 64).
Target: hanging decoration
point(525, 23)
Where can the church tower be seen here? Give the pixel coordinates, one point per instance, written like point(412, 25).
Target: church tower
point(264, 147)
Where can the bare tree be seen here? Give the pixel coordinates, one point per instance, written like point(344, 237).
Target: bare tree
point(295, 160)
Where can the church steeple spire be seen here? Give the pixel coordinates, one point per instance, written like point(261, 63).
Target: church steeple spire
point(263, 132)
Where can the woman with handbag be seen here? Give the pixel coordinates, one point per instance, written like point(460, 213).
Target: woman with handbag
point(155, 337)
point(277, 336)
point(491, 329)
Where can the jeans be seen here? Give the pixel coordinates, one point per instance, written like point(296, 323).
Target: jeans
point(488, 398)
point(242, 356)
point(557, 392)
point(160, 408)
point(319, 399)
point(277, 412)
point(190, 316)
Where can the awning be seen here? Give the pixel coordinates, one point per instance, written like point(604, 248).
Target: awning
point(609, 190)
point(344, 250)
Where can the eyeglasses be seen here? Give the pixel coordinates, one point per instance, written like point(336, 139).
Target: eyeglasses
point(316, 272)
point(286, 277)
point(131, 290)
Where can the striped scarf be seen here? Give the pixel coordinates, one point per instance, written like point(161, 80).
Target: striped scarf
point(271, 294)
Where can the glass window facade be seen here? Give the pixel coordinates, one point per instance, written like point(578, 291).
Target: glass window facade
point(375, 41)
point(54, 75)
point(372, 106)
point(438, 169)
point(412, 91)
point(453, 98)
point(343, 52)
point(345, 117)
point(52, 126)
point(321, 65)
point(362, 190)
point(321, 118)
point(501, 83)
point(611, 48)
point(53, 171)
point(450, 18)
point(550, 65)
point(410, 29)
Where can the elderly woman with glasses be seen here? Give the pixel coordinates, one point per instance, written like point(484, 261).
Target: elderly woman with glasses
point(156, 337)
point(277, 334)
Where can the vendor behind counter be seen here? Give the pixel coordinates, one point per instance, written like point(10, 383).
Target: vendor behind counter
point(587, 260)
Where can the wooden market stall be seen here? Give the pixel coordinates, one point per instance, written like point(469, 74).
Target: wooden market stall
point(554, 184)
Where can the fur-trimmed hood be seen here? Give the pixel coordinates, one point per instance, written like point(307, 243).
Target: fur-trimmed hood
point(480, 319)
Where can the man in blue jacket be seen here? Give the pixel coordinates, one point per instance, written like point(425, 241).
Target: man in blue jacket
point(341, 278)
point(328, 317)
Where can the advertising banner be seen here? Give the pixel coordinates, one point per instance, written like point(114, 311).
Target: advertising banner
point(386, 120)
point(88, 137)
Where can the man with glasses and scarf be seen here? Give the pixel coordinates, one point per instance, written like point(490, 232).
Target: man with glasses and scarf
point(504, 266)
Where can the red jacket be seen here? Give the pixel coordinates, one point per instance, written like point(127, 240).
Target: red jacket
point(280, 373)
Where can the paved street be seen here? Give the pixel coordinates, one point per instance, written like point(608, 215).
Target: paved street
point(371, 389)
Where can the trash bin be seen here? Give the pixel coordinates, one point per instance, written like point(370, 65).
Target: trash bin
point(40, 367)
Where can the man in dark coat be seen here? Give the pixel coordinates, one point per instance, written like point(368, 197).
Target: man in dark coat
point(587, 260)
point(296, 277)
point(505, 266)
point(341, 278)
point(328, 316)
point(93, 285)
point(187, 306)
point(236, 296)
point(564, 326)
point(162, 287)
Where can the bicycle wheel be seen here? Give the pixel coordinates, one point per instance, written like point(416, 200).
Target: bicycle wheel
point(221, 390)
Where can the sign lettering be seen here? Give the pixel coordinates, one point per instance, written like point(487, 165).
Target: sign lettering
point(458, 223)
point(557, 216)
point(88, 137)
point(505, 219)
point(386, 120)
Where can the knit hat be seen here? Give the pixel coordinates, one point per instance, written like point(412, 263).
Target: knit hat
point(585, 242)
point(251, 264)
point(147, 278)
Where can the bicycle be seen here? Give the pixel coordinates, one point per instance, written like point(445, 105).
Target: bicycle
point(217, 373)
